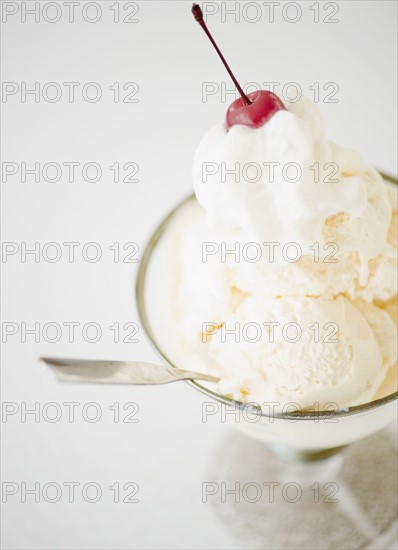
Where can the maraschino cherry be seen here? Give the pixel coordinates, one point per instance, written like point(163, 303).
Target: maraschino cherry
point(250, 110)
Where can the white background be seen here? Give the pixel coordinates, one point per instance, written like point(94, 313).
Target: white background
point(168, 451)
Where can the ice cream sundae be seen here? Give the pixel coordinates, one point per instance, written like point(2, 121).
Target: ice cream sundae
point(283, 274)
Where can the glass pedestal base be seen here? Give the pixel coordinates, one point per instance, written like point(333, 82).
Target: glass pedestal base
point(347, 500)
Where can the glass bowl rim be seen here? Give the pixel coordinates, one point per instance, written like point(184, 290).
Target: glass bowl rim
point(140, 288)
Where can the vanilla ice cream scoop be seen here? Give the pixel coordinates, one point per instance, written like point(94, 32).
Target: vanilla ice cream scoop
point(303, 351)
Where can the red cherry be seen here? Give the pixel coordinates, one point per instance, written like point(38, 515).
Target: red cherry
point(264, 104)
point(251, 110)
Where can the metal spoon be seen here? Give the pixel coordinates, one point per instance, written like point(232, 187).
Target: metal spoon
point(118, 372)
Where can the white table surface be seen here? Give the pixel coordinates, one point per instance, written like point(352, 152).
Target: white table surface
point(167, 452)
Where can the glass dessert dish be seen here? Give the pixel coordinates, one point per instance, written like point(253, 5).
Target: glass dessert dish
point(301, 445)
point(308, 433)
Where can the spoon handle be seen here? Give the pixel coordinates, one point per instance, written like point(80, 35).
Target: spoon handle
point(118, 372)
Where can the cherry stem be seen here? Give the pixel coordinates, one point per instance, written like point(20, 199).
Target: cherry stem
point(198, 14)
